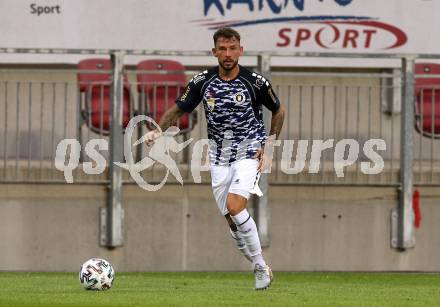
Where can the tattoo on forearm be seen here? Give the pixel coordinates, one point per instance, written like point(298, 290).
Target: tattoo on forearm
point(277, 122)
point(170, 118)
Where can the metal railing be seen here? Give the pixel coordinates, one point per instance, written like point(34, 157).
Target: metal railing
point(330, 107)
point(36, 115)
point(332, 111)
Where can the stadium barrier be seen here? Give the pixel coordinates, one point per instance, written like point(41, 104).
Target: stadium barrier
point(41, 107)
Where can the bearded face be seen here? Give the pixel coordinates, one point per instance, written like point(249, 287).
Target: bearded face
point(227, 51)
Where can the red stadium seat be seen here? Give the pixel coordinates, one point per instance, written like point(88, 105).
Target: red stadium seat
point(96, 89)
point(160, 82)
point(427, 100)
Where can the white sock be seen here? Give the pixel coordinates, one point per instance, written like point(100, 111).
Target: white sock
point(259, 259)
point(248, 231)
point(241, 245)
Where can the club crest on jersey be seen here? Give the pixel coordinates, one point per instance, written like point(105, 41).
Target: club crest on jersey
point(239, 97)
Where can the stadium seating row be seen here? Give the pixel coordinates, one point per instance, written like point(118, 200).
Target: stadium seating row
point(159, 82)
point(427, 109)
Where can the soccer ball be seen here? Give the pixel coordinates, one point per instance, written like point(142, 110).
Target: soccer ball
point(96, 274)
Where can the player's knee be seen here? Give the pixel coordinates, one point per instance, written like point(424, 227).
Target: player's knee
point(234, 209)
point(235, 204)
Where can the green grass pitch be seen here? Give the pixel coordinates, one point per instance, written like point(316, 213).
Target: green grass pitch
point(223, 289)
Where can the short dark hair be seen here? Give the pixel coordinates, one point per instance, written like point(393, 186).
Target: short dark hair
point(226, 33)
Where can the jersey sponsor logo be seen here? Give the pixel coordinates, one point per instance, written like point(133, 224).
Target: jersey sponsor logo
point(183, 97)
point(210, 103)
point(210, 100)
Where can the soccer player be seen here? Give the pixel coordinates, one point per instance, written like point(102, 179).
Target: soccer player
point(233, 97)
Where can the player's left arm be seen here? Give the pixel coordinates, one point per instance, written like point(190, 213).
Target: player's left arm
point(271, 101)
point(276, 123)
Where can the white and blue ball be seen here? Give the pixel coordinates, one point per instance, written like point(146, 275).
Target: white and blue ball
point(96, 274)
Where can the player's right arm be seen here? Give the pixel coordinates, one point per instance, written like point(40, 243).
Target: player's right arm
point(186, 103)
point(170, 117)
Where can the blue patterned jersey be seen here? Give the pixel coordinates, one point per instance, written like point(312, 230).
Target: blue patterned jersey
point(233, 112)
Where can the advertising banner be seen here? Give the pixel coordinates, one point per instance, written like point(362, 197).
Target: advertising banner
point(364, 26)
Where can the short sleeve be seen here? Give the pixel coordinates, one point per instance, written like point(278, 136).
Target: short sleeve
point(190, 98)
point(269, 98)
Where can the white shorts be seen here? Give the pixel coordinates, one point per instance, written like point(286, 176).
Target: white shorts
point(241, 178)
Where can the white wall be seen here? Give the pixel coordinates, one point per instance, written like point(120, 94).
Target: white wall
point(178, 228)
